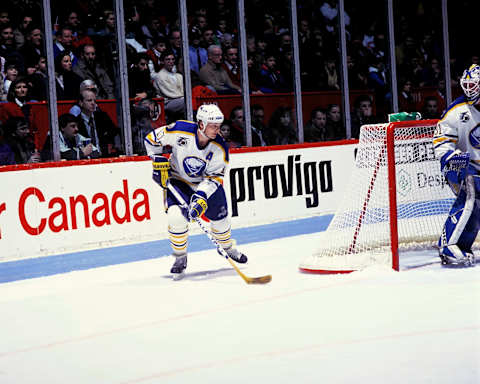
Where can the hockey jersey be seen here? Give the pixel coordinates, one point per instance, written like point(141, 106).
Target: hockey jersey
point(202, 168)
point(459, 128)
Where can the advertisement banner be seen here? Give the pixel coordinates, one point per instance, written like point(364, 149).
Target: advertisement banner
point(60, 208)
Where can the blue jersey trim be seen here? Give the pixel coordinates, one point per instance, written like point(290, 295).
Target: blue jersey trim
point(461, 100)
point(183, 126)
point(219, 140)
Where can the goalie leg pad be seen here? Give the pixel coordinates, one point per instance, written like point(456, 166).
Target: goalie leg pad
point(461, 227)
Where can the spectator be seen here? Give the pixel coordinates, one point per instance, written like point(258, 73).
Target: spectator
point(11, 74)
point(139, 82)
point(213, 75)
point(405, 99)
point(73, 146)
point(432, 74)
point(415, 71)
point(377, 81)
point(151, 31)
point(259, 130)
point(221, 28)
point(198, 55)
point(19, 139)
point(208, 38)
point(285, 66)
point(270, 79)
point(32, 49)
point(237, 128)
point(335, 127)
point(95, 124)
point(285, 44)
point(8, 49)
point(169, 85)
point(199, 23)
point(356, 78)
point(85, 85)
point(329, 72)
point(407, 50)
point(4, 16)
point(230, 64)
point(108, 29)
point(176, 42)
point(89, 68)
point(64, 39)
point(362, 114)
point(315, 130)
point(21, 31)
point(39, 80)
point(17, 105)
point(225, 132)
point(226, 41)
point(430, 108)
point(72, 21)
point(155, 64)
point(67, 81)
point(281, 127)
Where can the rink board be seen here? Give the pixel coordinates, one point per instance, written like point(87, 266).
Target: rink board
point(66, 207)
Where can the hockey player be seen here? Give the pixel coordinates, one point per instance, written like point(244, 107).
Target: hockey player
point(198, 162)
point(457, 145)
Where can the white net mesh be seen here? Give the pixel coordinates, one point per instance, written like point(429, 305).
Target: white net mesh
point(359, 234)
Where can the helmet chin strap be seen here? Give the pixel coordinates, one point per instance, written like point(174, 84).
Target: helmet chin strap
point(202, 131)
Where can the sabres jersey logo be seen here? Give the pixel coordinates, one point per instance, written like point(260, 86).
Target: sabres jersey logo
point(194, 166)
point(464, 117)
point(474, 137)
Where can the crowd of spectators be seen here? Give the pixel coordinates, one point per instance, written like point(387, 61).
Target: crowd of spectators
point(85, 49)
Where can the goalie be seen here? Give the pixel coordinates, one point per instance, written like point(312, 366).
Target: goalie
point(457, 145)
point(197, 165)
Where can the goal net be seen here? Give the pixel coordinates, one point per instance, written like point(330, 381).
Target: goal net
point(397, 198)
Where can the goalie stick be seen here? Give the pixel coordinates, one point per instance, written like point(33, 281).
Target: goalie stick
point(249, 280)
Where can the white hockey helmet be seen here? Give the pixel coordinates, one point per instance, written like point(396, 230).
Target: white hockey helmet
point(470, 82)
point(209, 113)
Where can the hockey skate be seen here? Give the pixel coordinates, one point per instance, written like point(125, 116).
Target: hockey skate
point(178, 268)
point(457, 258)
point(236, 255)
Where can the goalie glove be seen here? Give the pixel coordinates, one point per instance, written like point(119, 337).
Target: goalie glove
point(161, 170)
point(198, 205)
point(456, 166)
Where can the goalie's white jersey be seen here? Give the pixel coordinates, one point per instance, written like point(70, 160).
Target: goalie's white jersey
point(459, 128)
point(202, 168)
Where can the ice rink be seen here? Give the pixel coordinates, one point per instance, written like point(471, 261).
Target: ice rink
point(130, 323)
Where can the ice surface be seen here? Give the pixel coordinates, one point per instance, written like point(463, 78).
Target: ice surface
point(131, 323)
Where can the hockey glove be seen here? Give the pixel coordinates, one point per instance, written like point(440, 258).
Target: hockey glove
point(456, 166)
point(198, 205)
point(161, 170)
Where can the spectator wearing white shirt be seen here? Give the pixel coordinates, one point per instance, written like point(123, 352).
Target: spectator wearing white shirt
point(168, 84)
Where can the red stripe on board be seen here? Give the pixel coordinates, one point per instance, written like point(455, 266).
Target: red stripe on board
point(124, 159)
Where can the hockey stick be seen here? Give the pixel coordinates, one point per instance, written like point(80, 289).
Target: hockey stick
point(248, 280)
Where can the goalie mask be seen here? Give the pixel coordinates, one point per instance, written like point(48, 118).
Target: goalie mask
point(209, 113)
point(470, 83)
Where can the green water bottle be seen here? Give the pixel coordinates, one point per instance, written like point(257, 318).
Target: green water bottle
point(404, 116)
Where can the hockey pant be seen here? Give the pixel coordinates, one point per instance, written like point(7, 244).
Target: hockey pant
point(463, 222)
point(216, 213)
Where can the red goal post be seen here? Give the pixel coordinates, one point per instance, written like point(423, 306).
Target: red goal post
point(397, 199)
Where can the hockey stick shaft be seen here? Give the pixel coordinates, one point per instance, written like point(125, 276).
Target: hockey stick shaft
point(248, 280)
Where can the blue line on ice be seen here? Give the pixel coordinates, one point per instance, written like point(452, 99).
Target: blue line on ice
point(52, 265)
